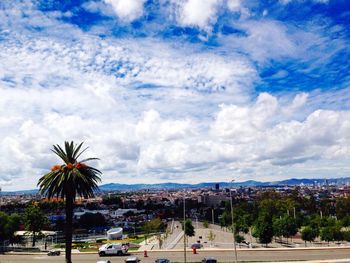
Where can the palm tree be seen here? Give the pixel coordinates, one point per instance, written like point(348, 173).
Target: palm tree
point(72, 178)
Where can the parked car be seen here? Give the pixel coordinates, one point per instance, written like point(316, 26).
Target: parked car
point(104, 261)
point(113, 249)
point(209, 260)
point(54, 253)
point(132, 260)
point(196, 246)
point(162, 260)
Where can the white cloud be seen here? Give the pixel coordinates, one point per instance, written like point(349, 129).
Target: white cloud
point(127, 10)
point(298, 102)
point(243, 124)
point(198, 13)
point(234, 5)
point(152, 127)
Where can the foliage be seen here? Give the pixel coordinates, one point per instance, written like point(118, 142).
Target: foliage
point(241, 224)
point(342, 207)
point(225, 219)
point(34, 221)
point(205, 224)
point(239, 238)
point(154, 225)
point(346, 235)
point(326, 234)
point(263, 230)
point(285, 226)
point(211, 236)
point(89, 220)
point(346, 221)
point(9, 224)
point(309, 234)
point(112, 200)
point(189, 228)
point(73, 177)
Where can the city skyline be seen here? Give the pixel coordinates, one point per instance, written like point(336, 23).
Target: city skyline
point(176, 91)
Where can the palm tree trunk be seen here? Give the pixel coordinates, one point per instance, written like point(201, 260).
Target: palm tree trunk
point(69, 224)
point(33, 241)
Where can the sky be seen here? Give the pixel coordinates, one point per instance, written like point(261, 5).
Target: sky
point(183, 91)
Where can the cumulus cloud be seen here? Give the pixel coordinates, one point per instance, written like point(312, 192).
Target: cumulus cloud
point(127, 10)
point(198, 13)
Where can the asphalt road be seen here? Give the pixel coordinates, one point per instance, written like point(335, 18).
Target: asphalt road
point(177, 256)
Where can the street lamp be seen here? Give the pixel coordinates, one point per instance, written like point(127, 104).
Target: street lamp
point(184, 224)
point(233, 226)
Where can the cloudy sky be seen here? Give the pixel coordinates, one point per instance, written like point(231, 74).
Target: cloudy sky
point(176, 90)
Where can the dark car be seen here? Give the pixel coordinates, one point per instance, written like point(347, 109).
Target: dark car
point(196, 246)
point(162, 260)
point(209, 260)
point(54, 253)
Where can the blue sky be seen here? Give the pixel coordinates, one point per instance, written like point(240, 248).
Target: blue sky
point(181, 91)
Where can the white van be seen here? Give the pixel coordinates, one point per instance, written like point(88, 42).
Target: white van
point(113, 249)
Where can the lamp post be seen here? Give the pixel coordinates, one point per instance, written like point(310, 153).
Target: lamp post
point(233, 226)
point(185, 260)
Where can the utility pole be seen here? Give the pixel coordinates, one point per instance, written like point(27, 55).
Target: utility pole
point(294, 213)
point(233, 227)
point(185, 228)
point(212, 216)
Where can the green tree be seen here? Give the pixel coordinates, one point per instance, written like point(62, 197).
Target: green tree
point(34, 221)
point(346, 221)
point(72, 178)
point(239, 239)
point(289, 227)
point(263, 229)
point(189, 228)
point(277, 226)
point(9, 224)
point(89, 220)
point(211, 237)
point(205, 224)
point(309, 234)
point(225, 219)
point(326, 234)
point(342, 207)
point(346, 235)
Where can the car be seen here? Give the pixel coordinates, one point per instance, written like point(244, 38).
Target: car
point(113, 249)
point(209, 260)
point(196, 246)
point(132, 259)
point(104, 261)
point(54, 253)
point(162, 260)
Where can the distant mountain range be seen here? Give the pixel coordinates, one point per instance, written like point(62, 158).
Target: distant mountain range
point(175, 186)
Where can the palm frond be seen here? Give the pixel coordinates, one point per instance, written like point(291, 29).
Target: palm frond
point(83, 182)
point(89, 159)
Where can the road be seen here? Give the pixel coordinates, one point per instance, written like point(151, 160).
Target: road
point(177, 256)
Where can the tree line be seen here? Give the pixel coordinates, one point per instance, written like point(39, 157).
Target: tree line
point(272, 215)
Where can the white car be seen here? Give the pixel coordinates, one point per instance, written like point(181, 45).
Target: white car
point(113, 249)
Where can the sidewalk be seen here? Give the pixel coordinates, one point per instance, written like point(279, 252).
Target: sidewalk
point(152, 243)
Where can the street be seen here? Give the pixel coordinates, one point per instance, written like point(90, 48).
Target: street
point(178, 256)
